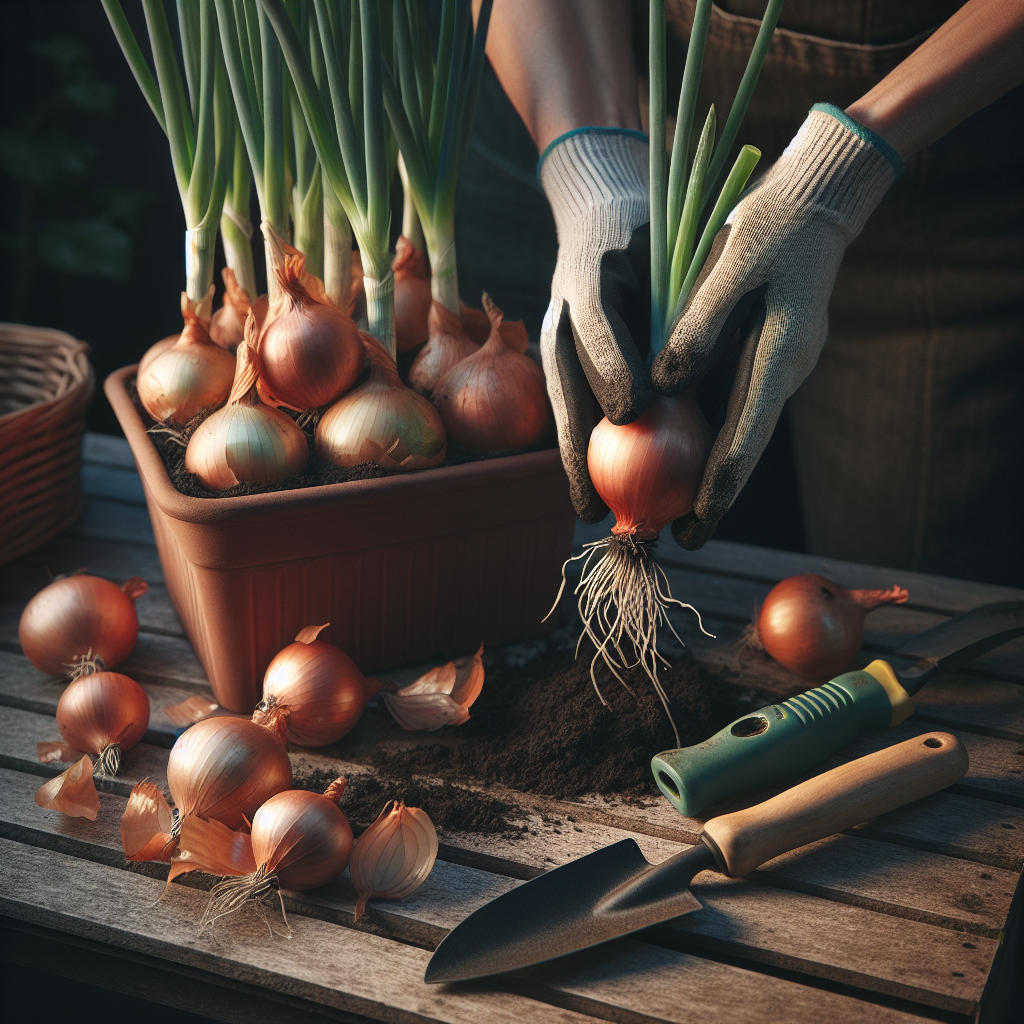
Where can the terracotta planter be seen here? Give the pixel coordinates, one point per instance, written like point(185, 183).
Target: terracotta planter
point(404, 568)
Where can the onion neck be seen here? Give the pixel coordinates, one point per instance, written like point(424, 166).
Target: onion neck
point(200, 246)
point(236, 234)
point(380, 309)
point(444, 277)
point(309, 226)
point(411, 227)
point(337, 252)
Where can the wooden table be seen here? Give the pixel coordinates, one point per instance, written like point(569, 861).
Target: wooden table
point(896, 920)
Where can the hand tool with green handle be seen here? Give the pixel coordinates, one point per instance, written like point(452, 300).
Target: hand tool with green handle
point(775, 744)
point(616, 891)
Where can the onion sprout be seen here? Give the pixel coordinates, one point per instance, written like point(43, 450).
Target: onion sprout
point(197, 122)
point(432, 110)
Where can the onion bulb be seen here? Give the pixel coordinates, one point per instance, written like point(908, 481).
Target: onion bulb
point(648, 473)
point(73, 792)
point(191, 375)
point(221, 768)
point(412, 295)
point(103, 713)
point(477, 326)
point(393, 857)
point(495, 399)
point(382, 421)
point(447, 344)
point(814, 627)
point(78, 622)
point(154, 350)
point(299, 841)
point(442, 696)
point(309, 350)
point(246, 441)
point(316, 689)
point(227, 328)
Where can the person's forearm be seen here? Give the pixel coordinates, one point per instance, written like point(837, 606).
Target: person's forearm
point(565, 64)
point(970, 61)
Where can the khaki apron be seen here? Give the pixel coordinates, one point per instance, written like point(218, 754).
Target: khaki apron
point(908, 434)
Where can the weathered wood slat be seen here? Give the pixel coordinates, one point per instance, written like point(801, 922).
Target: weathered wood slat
point(113, 520)
point(747, 921)
point(114, 559)
point(107, 450)
point(113, 483)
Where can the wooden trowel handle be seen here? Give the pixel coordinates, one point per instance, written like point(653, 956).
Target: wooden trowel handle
point(837, 800)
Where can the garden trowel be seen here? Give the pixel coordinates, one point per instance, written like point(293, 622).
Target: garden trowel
point(616, 890)
point(774, 745)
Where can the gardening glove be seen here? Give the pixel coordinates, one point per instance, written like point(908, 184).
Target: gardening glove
point(596, 332)
point(758, 315)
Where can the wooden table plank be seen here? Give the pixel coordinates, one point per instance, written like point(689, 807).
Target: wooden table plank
point(740, 919)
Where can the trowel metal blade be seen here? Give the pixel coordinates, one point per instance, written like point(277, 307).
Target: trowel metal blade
point(561, 912)
point(966, 637)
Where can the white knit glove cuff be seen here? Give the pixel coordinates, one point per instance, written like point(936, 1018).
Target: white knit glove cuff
point(834, 166)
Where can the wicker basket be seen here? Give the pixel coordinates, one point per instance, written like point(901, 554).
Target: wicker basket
point(46, 384)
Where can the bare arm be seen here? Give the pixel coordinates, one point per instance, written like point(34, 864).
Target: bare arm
point(970, 61)
point(565, 64)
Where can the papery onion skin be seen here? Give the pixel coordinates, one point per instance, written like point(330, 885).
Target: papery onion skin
point(447, 345)
point(394, 856)
point(494, 400)
point(382, 421)
point(815, 627)
point(192, 375)
point(648, 472)
point(477, 326)
point(412, 295)
point(309, 352)
point(301, 837)
point(101, 709)
point(77, 615)
point(319, 687)
point(224, 768)
point(73, 792)
point(227, 328)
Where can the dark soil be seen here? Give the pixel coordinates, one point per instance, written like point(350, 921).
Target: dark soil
point(171, 445)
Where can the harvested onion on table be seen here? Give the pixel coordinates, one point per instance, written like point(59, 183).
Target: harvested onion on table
point(102, 713)
point(80, 622)
point(813, 626)
point(314, 690)
point(189, 376)
point(220, 768)
point(382, 421)
point(494, 399)
point(299, 841)
point(246, 441)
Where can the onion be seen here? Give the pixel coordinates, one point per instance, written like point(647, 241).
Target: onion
point(154, 350)
point(246, 441)
point(393, 857)
point(648, 473)
point(382, 421)
point(316, 688)
point(103, 713)
point(221, 768)
point(191, 375)
point(309, 351)
point(477, 327)
point(412, 295)
point(447, 345)
point(79, 621)
point(815, 627)
point(495, 399)
point(299, 841)
point(227, 328)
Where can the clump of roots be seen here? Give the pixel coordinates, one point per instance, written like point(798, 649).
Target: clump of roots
point(231, 895)
point(109, 762)
point(624, 598)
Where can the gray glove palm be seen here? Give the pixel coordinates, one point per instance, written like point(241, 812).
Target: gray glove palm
point(596, 335)
point(761, 303)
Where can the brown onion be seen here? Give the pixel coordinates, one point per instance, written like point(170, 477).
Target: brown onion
point(103, 713)
point(447, 345)
point(477, 326)
point(191, 375)
point(154, 350)
point(648, 472)
point(814, 627)
point(495, 399)
point(316, 688)
point(227, 328)
point(412, 295)
point(309, 351)
point(382, 421)
point(81, 619)
point(246, 441)
point(393, 857)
